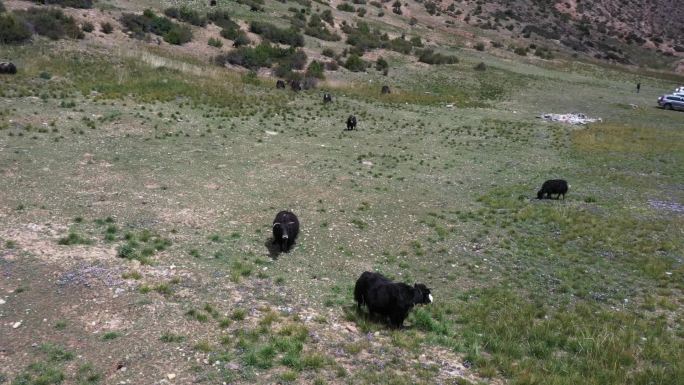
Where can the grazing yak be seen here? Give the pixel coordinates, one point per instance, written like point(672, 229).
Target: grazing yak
point(280, 84)
point(327, 98)
point(285, 229)
point(351, 122)
point(385, 89)
point(553, 186)
point(212, 3)
point(389, 299)
point(8, 68)
point(296, 85)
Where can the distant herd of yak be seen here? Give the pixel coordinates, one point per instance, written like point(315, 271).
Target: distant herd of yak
point(392, 301)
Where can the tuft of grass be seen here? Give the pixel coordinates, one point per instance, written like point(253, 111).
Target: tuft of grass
point(203, 346)
point(197, 315)
point(74, 239)
point(111, 336)
point(238, 314)
point(87, 374)
point(170, 337)
point(56, 353)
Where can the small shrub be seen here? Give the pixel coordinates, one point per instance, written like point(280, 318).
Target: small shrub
point(140, 25)
point(522, 51)
point(241, 40)
point(381, 64)
point(480, 46)
point(279, 35)
point(345, 7)
point(110, 336)
point(315, 69)
point(329, 52)
point(107, 28)
point(430, 57)
point(264, 55)
point(88, 27)
point(215, 42)
point(74, 239)
point(480, 67)
point(187, 15)
point(51, 22)
point(355, 64)
point(13, 30)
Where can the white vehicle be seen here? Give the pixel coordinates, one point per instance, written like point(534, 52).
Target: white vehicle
point(679, 90)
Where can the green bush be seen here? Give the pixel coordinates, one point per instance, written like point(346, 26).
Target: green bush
point(399, 45)
point(346, 7)
point(148, 22)
point(329, 52)
point(215, 42)
point(278, 35)
point(67, 3)
point(430, 57)
point(222, 19)
point(315, 70)
point(264, 55)
point(187, 15)
point(328, 17)
point(522, 51)
point(241, 39)
point(480, 46)
point(355, 64)
point(87, 27)
point(317, 29)
point(51, 22)
point(107, 28)
point(178, 35)
point(381, 64)
point(13, 30)
point(2, 7)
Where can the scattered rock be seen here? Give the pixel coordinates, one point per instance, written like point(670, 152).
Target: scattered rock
point(171, 376)
point(574, 118)
point(2, 301)
point(232, 366)
point(16, 324)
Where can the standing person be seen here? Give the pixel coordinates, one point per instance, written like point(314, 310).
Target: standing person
point(638, 87)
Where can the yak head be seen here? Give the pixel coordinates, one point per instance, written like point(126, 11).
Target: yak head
point(281, 232)
point(540, 194)
point(421, 294)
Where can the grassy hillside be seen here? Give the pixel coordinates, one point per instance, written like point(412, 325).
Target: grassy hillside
point(140, 181)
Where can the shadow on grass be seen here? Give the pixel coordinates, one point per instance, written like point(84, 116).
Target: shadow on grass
point(274, 248)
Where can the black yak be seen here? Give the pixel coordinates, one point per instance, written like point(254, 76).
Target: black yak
point(8, 68)
point(553, 186)
point(351, 122)
point(212, 3)
point(296, 85)
point(280, 84)
point(387, 298)
point(285, 229)
point(327, 98)
point(385, 89)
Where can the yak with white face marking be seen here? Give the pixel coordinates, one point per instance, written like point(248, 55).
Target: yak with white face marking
point(389, 299)
point(285, 230)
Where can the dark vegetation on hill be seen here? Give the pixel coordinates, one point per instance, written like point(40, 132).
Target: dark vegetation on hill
point(140, 25)
point(19, 26)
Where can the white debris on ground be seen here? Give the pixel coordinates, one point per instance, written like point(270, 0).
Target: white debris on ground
point(573, 118)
